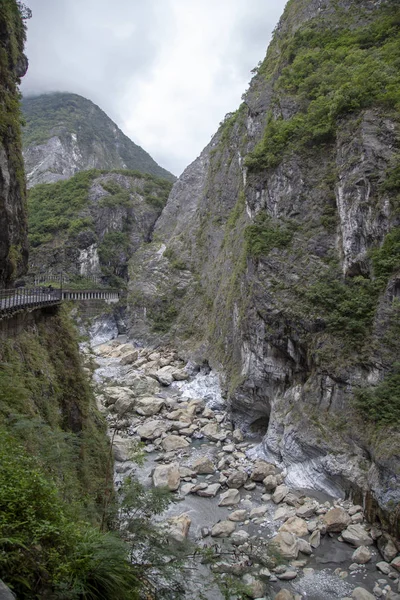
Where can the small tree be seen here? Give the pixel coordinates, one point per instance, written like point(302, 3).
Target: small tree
point(25, 11)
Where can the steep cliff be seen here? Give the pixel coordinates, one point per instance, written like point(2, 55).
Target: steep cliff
point(13, 65)
point(277, 255)
point(66, 133)
point(89, 225)
point(55, 464)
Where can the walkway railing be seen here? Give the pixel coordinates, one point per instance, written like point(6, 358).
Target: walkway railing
point(16, 299)
point(13, 300)
point(109, 295)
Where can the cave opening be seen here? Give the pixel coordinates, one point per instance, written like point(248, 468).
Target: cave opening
point(260, 425)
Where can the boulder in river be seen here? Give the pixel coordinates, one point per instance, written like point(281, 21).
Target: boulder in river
point(357, 536)
point(180, 374)
point(149, 406)
point(238, 515)
point(315, 539)
point(255, 588)
point(178, 527)
point(280, 493)
point(213, 432)
point(305, 547)
point(141, 385)
point(237, 436)
point(236, 479)
point(129, 358)
point(203, 466)
point(174, 442)
point(362, 555)
point(284, 512)
point(210, 491)
point(239, 537)
point(306, 510)
point(395, 562)
point(167, 476)
point(295, 525)
point(164, 375)
point(258, 511)
point(284, 595)
point(336, 519)
point(124, 405)
point(287, 544)
point(223, 529)
point(150, 430)
point(387, 547)
point(229, 498)
point(261, 470)
point(270, 482)
point(361, 594)
point(112, 394)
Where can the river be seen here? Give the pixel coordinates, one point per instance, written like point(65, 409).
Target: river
point(325, 571)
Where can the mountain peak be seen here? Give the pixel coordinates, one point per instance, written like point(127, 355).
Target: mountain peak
point(66, 133)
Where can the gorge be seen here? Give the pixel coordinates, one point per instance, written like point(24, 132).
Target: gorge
point(267, 278)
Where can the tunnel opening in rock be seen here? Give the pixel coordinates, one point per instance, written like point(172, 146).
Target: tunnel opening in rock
point(260, 425)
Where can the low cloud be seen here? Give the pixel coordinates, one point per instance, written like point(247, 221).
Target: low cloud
point(166, 71)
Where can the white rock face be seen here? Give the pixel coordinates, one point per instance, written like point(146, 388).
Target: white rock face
point(93, 141)
point(52, 160)
point(89, 261)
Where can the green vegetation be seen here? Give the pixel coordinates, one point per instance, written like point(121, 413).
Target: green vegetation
point(386, 259)
point(330, 72)
point(60, 211)
point(12, 39)
point(55, 464)
point(227, 125)
point(174, 261)
point(162, 315)
point(347, 306)
point(392, 180)
point(42, 391)
point(264, 235)
point(45, 551)
point(114, 252)
point(156, 192)
point(118, 196)
point(53, 207)
point(381, 403)
point(237, 211)
point(64, 114)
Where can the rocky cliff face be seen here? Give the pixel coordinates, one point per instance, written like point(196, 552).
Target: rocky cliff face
point(65, 134)
point(90, 225)
point(277, 260)
point(13, 65)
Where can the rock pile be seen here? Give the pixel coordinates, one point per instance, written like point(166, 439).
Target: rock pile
point(220, 468)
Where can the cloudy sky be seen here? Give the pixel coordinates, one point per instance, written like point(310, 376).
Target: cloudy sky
point(166, 71)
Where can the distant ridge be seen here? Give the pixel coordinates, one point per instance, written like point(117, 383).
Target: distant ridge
point(66, 133)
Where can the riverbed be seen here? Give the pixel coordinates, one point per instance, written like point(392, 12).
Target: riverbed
point(326, 570)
